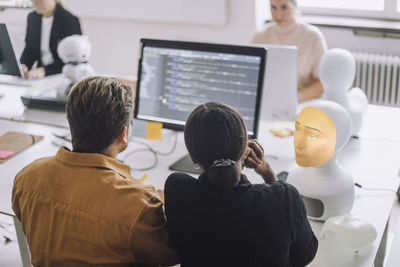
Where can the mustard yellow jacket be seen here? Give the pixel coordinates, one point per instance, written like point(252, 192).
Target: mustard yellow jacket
point(84, 209)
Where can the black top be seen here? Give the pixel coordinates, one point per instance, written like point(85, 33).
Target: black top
point(252, 225)
point(64, 24)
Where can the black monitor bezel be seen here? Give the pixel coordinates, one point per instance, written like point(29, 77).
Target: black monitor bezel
point(5, 37)
point(207, 47)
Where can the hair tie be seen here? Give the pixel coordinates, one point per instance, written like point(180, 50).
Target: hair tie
point(223, 163)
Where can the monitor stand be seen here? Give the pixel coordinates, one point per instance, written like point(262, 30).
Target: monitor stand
point(185, 164)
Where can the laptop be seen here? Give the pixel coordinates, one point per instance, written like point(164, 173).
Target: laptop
point(40, 93)
point(10, 68)
point(279, 99)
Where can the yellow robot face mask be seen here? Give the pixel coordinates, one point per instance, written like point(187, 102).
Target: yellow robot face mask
point(314, 138)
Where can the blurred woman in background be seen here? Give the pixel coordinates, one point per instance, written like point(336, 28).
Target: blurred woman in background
point(48, 24)
point(287, 29)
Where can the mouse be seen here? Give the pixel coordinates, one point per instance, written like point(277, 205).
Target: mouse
point(354, 231)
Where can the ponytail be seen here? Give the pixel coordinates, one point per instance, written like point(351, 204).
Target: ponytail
point(223, 178)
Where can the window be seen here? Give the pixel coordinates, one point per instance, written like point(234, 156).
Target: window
point(345, 4)
point(380, 9)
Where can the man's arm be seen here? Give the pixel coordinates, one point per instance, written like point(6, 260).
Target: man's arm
point(150, 239)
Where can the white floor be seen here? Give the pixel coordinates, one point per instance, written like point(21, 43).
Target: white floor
point(10, 257)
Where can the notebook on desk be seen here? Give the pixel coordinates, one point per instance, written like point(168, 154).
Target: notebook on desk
point(11, 143)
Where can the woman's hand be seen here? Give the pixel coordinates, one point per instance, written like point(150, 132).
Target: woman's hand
point(24, 69)
point(254, 159)
point(37, 73)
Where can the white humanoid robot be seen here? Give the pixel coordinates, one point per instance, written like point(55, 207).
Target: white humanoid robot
point(337, 70)
point(74, 51)
point(322, 130)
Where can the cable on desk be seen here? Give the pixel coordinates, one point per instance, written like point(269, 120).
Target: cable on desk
point(142, 150)
point(374, 188)
point(378, 139)
point(175, 136)
point(7, 239)
point(381, 189)
point(5, 227)
point(150, 149)
point(66, 137)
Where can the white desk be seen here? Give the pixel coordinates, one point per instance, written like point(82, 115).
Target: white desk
point(373, 160)
point(11, 167)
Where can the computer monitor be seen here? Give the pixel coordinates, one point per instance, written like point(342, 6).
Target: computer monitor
point(279, 99)
point(174, 77)
point(9, 63)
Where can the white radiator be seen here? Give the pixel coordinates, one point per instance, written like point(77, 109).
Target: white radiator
point(379, 77)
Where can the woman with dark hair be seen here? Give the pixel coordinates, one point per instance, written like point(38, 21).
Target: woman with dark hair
point(221, 219)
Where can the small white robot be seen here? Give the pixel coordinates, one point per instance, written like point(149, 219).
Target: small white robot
point(74, 51)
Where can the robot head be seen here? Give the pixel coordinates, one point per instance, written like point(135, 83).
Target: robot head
point(322, 130)
point(337, 69)
point(74, 49)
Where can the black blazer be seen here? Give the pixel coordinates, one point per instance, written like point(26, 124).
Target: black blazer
point(64, 24)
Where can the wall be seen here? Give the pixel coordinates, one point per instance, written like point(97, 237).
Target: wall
point(16, 24)
point(116, 42)
point(345, 38)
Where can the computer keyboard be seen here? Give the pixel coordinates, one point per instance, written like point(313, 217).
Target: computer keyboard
point(40, 102)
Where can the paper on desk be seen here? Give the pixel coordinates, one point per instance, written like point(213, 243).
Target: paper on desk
point(11, 105)
point(141, 180)
point(153, 130)
point(283, 129)
point(147, 129)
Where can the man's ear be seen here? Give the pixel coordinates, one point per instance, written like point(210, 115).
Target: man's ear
point(123, 135)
